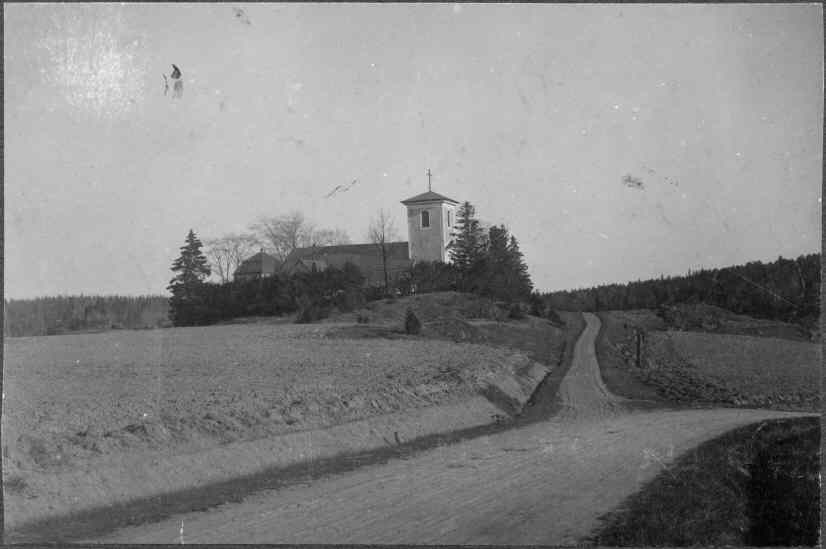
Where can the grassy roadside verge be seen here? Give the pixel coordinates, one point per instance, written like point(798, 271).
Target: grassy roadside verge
point(757, 485)
point(692, 368)
point(544, 402)
point(616, 374)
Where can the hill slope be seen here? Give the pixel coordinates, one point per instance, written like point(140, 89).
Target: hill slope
point(786, 289)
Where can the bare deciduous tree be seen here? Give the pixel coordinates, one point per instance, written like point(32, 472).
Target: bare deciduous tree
point(381, 232)
point(226, 253)
point(284, 233)
point(329, 237)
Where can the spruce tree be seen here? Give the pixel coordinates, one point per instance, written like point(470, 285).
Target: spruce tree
point(521, 282)
point(497, 269)
point(466, 248)
point(186, 306)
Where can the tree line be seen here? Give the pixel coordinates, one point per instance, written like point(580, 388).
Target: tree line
point(785, 289)
point(277, 235)
point(485, 261)
point(488, 263)
point(195, 301)
point(78, 313)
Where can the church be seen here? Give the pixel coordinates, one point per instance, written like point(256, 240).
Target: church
point(430, 220)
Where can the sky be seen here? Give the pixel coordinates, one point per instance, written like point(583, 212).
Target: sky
point(535, 113)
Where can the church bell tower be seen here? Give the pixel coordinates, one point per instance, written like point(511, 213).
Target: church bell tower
point(430, 223)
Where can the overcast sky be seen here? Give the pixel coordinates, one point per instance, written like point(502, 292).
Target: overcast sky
point(534, 113)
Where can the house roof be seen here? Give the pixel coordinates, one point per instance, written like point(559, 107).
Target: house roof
point(260, 263)
point(319, 264)
point(395, 250)
point(429, 196)
point(367, 257)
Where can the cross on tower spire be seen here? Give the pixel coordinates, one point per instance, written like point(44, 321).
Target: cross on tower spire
point(429, 175)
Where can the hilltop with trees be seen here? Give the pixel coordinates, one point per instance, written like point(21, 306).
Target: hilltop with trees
point(786, 289)
point(486, 262)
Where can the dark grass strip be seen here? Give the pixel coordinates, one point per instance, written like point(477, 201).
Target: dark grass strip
point(757, 485)
point(616, 375)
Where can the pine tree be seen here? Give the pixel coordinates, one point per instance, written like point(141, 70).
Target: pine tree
point(497, 269)
point(521, 282)
point(186, 306)
point(466, 248)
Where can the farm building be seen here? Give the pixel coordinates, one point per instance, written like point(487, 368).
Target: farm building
point(367, 257)
point(261, 265)
point(430, 220)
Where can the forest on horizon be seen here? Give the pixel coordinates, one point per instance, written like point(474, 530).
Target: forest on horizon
point(785, 289)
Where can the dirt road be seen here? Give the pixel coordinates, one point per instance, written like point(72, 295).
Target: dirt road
point(545, 483)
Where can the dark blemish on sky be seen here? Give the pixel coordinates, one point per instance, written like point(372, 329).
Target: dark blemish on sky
point(663, 217)
point(341, 188)
point(241, 16)
point(523, 98)
point(632, 182)
point(295, 141)
point(177, 83)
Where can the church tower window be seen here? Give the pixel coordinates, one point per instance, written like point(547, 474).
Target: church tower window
point(425, 219)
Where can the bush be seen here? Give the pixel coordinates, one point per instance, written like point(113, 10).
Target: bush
point(412, 325)
point(515, 312)
point(554, 317)
point(499, 311)
point(349, 300)
point(311, 311)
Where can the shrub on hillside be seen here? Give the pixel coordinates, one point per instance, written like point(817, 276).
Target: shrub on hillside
point(310, 310)
point(428, 276)
point(537, 307)
point(349, 300)
point(554, 317)
point(515, 312)
point(412, 325)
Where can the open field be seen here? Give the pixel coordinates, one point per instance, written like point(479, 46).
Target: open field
point(96, 402)
point(692, 367)
point(76, 397)
point(757, 485)
point(708, 318)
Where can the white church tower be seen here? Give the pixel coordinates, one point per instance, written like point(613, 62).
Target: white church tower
point(430, 221)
